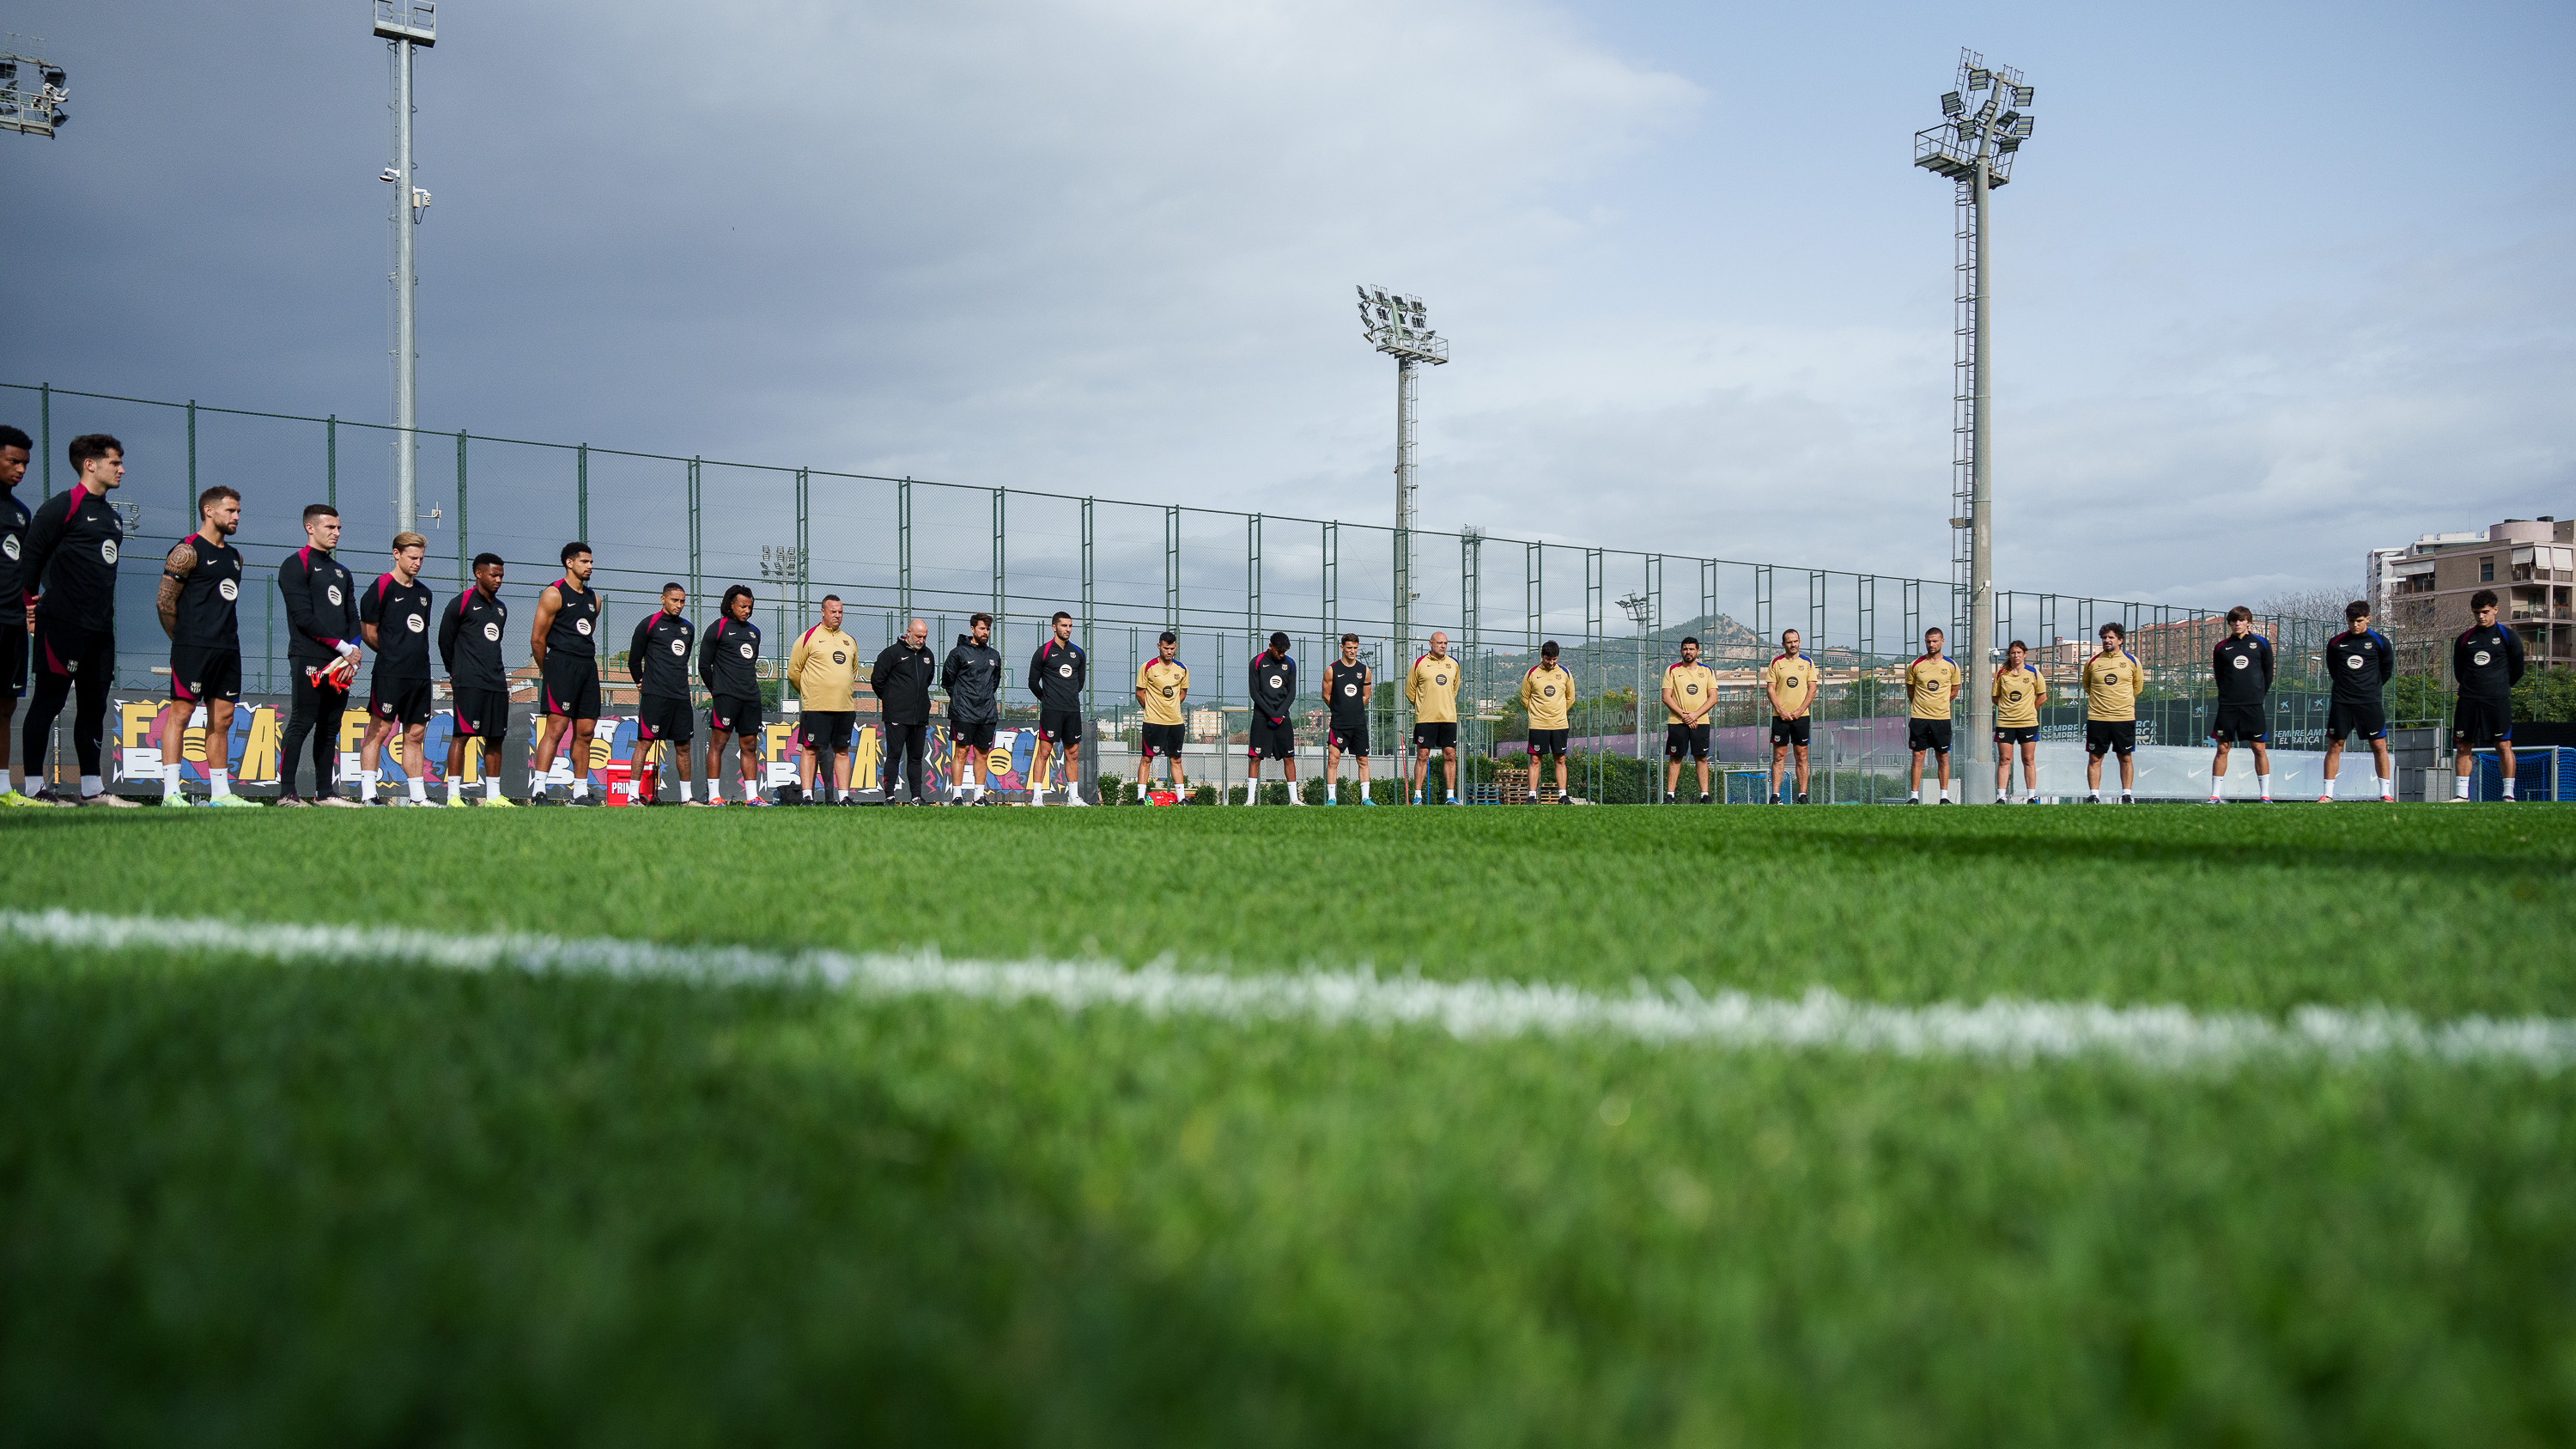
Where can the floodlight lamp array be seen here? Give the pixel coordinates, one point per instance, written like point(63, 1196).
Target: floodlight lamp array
point(1397, 323)
point(1992, 132)
point(32, 110)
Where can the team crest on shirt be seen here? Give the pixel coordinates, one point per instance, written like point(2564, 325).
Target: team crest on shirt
point(418, 624)
point(492, 633)
point(2480, 657)
point(581, 626)
point(107, 551)
point(227, 588)
point(333, 594)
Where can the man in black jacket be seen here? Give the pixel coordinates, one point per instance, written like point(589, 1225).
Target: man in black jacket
point(322, 653)
point(1056, 675)
point(1274, 696)
point(901, 680)
point(658, 658)
point(973, 678)
point(70, 583)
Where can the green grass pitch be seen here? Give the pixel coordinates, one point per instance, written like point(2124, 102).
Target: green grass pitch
point(252, 1203)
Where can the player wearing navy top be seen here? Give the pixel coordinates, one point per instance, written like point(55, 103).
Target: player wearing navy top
point(1271, 736)
point(15, 449)
point(70, 579)
point(658, 658)
point(564, 643)
point(2360, 660)
point(200, 587)
point(2242, 663)
point(394, 616)
point(478, 683)
point(729, 666)
point(2487, 661)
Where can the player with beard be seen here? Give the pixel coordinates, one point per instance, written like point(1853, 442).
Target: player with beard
point(478, 683)
point(729, 666)
point(322, 653)
point(972, 675)
point(200, 587)
point(658, 658)
point(1056, 675)
point(72, 544)
point(394, 616)
point(564, 643)
point(1346, 703)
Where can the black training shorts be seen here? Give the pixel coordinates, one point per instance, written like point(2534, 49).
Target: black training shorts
point(2017, 734)
point(1060, 726)
point(2478, 722)
point(2239, 724)
point(200, 672)
point(822, 729)
point(1350, 736)
point(405, 701)
point(2369, 721)
point(1441, 735)
point(1682, 739)
point(971, 736)
point(664, 717)
point(1548, 742)
point(731, 714)
point(1164, 740)
point(571, 687)
point(1789, 731)
point(482, 714)
point(1927, 734)
point(13, 640)
point(1270, 741)
point(2110, 736)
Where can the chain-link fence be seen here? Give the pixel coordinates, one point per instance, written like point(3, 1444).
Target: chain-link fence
point(1223, 580)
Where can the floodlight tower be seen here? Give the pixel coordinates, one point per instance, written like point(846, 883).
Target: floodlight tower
point(403, 25)
point(1394, 324)
point(31, 91)
point(1974, 146)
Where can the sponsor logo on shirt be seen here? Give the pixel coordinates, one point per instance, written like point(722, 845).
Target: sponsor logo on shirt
point(1275, 680)
point(1349, 689)
point(840, 658)
point(107, 551)
point(2480, 657)
point(418, 624)
point(680, 647)
point(1690, 689)
point(2354, 661)
point(227, 588)
point(333, 594)
point(2240, 661)
point(1064, 671)
point(9, 545)
point(492, 633)
point(581, 626)
point(1439, 679)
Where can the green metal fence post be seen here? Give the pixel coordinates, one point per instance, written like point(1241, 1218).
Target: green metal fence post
point(188, 506)
point(1091, 667)
point(697, 536)
point(581, 493)
point(464, 570)
point(45, 426)
point(331, 460)
point(903, 551)
point(1000, 563)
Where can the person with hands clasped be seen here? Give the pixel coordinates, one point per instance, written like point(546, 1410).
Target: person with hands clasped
point(322, 652)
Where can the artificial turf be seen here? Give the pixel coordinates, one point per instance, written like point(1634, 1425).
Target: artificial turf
point(247, 1203)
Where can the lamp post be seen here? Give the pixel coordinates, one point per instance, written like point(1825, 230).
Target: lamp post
point(32, 94)
point(1395, 323)
point(1640, 611)
point(403, 25)
point(1985, 122)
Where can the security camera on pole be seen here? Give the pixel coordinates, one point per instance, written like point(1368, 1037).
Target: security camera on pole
point(1395, 324)
point(1987, 120)
point(403, 24)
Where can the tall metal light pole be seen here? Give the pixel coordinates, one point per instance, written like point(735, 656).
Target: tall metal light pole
point(1641, 612)
point(31, 91)
point(1974, 146)
point(404, 24)
point(1395, 324)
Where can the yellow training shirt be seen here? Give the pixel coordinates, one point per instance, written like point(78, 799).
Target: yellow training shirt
point(2017, 698)
point(1432, 688)
point(2111, 686)
point(1794, 676)
point(1694, 685)
point(825, 666)
point(1163, 685)
point(1545, 693)
point(1928, 683)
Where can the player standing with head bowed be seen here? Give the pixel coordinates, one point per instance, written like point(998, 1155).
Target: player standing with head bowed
point(2019, 691)
point(322, 652)
point(825, 666)
point(478, 683)
point(1162, 688)
point(1931, 685)
point(901, 681)
point(729, 666)
point(2360, 659)
point(394, 617)
point(1431, 687)
point(1690, 696)
point(15, 449)
point(658, 658)
point(2242, 663)
point(2487, 661)
point(1790, 681)
point(200, 589)
point(1547, 694)
point(1274, 695)
point(1056, 675)
point(1346, 707)
point(972, 675)
point(72, 545)
point(2111, 682)
point(564, 643)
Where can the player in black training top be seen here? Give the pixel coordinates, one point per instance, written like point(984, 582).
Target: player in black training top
point(2487, 661)
point(15, 449)
point(564, 644)
point(729, 666)
point(1346, 705)
point(70, 579)
point(972, 675)
point(394, 616)
point(478, 683)
point(1056, 674)
point(2243, 664)
point(1272, 736)
point(2360, 660)
point(658, 658)
point(322, 653)
point(200, 588)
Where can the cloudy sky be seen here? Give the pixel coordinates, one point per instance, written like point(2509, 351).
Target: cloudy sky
point(2274, 284)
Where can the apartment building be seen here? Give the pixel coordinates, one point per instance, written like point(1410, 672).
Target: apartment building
point(2425, 587)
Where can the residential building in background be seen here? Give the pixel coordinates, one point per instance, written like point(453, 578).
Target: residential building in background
point(2424, 588)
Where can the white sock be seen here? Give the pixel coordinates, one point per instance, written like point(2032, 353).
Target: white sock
point(2388, 788)
point(169, 782)
point(684, 792)
point(2218, 787)
point(2460, 787)
point(749, 789)
point(91, 785)
point(580, 785)
point(4, 782)
point(1914, 797)
point(2265, 784)
point(220, 782)
point(2508, 787)
point(2093, 795)
point(419, 790)
point(455, 791)
point(2329, 790)
point(492, 787)
point(367, 783)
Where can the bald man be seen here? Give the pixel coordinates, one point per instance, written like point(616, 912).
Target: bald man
point(902, 680)
point(1432, 689)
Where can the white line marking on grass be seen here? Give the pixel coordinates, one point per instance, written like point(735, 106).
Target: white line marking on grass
point(1999, 1029)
